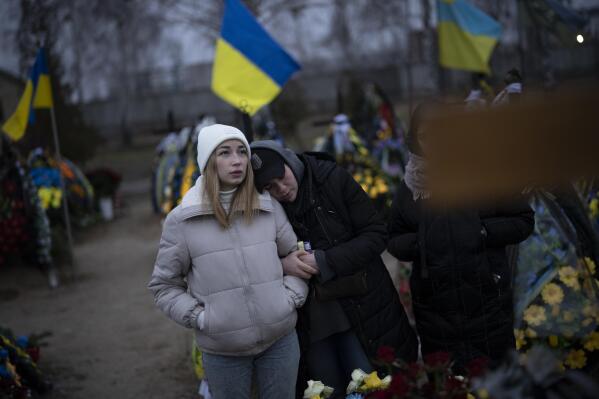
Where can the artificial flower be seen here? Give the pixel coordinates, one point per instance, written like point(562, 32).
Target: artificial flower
point(591, 310)
point(399, 385)
point(317, 390)
point(530, 333)
point(372, 382)
point(594, 207)
point(591, 342)
point(568, 316)
point(576, 359)
point(437, 359)
point(477, 366)
point(535, 315)
point(386, 354)
point(363, 382)
point(520, 338)
point(591, 264)
point(569, 276)
point(552, 294)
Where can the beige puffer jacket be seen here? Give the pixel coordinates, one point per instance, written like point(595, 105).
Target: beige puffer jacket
point(234, 275)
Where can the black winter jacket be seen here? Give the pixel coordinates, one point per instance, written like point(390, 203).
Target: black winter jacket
point(339, 218)
point(461, 280)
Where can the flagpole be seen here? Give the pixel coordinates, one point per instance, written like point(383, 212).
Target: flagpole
point(65, 204)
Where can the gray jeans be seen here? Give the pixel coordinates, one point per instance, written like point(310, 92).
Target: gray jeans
point(230, 377)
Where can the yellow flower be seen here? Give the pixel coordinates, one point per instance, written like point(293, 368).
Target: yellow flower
point(591, 264)
point(530, 333)
point(576, 359)
point(591, 342)
point(520, 338)
point(591, 310)
point(317, 390)
point(372, 381)
point(568, 316)
point(569, 276)
point(594, 207)
point(552, 294)
point(553, 341)
point(535, 315)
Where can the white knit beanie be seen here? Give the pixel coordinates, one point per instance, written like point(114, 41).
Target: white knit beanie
point(212, 136)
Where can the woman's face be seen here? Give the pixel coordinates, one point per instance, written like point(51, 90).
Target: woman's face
point(231, 164)
point(283, 189)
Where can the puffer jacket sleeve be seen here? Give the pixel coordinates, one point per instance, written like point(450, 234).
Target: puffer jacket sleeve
point(403, 239)
point(287, 243)
point(168, 278)
point(512, 223)
point(286, 238)
point(369, 230)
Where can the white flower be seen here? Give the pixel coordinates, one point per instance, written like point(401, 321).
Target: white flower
point(357, 379)
point(318, 389)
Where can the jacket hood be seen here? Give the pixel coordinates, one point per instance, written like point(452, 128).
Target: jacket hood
point(321, 164)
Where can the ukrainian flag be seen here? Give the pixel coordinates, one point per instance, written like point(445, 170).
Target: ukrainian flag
point(38, 94)
point(467, 36)
point(250, 68)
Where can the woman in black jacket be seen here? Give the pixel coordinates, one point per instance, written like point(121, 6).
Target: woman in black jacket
point(353, 307)
point(461, 280)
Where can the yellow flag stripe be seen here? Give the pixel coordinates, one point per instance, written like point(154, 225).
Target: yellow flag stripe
point(16, 125)
point(462, 50)
point(240, 82)
point(43, 93)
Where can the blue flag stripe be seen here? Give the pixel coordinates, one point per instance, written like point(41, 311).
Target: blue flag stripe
point(469, 18)
point(241, 30)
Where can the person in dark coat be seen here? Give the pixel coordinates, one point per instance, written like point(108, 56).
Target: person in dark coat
point(461, 281)
point(353, 308)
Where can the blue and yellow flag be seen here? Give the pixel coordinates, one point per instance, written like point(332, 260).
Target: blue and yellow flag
point(38, 94)
point(250, 68)
point(467, 36)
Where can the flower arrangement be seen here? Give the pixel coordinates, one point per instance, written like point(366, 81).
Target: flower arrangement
point(535, 375)
point(564, 316)
point(374, 184)
point(19, 373)
point(432, 378)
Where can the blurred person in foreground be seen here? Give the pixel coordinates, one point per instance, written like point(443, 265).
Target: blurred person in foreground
point(219, 272)
point(461, 281)
point(353, 308)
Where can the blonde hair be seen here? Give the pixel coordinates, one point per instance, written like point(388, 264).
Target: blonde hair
point(245, 199)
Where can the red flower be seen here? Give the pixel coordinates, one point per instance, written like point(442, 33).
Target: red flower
point(380, 395)
point(477, 367)
point(386, 354)
point(437, 359)
point(453, 384)
point(399, 385)
point(414, 370)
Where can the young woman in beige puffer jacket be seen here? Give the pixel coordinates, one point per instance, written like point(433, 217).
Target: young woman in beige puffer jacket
point(218, 271)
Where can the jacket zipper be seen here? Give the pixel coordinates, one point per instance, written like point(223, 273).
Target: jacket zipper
point(246, 282)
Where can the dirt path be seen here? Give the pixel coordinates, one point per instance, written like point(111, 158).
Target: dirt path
point(109, 341)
